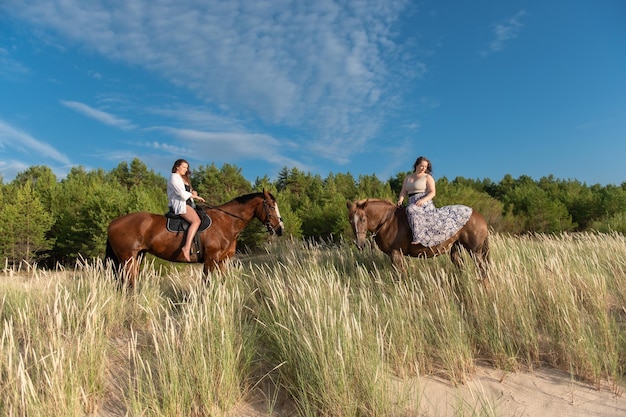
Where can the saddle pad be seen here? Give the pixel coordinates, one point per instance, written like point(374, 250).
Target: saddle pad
point(177, 224)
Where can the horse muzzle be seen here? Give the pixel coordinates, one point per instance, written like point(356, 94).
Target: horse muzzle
point(360, 242)
point(278, 230)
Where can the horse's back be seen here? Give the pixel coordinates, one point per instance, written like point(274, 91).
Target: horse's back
point(132, 233)
point(133, 221)
point(476, 227)
point(473, 235)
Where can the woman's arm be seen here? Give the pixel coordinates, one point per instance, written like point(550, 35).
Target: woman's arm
point(195, 196)
point(402, 191)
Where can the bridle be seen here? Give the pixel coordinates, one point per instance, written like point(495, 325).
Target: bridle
point(268, 217)
point(356, 228)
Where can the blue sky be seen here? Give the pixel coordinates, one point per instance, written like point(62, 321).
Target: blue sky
point(484, 89)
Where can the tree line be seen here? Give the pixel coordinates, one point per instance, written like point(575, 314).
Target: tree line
point(51, 221)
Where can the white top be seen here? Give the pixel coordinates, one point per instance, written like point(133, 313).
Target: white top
point(176, 194)
point(414, 185)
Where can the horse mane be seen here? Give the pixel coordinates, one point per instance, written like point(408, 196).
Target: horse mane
point(374, 200)
point(243, 199)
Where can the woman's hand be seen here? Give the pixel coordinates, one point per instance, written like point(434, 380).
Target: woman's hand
point(195, 196)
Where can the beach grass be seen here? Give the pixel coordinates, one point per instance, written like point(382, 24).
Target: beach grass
point(323, 327)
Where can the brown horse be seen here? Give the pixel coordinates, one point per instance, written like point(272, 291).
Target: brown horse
point(391, 231)
point(132, 235)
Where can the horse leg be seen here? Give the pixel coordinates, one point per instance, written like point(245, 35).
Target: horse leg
point(397, 261)
point(131, 271)
point(207, 268)
point(136, 269)
point(211, 265)
point(482, 259)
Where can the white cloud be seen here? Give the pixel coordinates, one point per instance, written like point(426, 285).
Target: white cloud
point(102, 117)
point(10, 168)
point(197, 118)
point(322, 67)
point(14, 138)
point(10, 67)
point(226, 145)
point(505, 31)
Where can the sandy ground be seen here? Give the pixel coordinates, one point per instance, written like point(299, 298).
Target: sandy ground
point(544, 392)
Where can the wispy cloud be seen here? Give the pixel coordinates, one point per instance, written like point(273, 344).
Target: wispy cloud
point(325, 68)
point(11, 137)
point(227, 145)
point(10, 168)
point(99, 115)
point(197, 117)
point(505, 31)
point(10, 67)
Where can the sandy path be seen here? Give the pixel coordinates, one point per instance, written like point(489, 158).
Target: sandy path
point(544, 392)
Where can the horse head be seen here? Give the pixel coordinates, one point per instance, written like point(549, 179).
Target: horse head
point(359, 222)
point(271, 215)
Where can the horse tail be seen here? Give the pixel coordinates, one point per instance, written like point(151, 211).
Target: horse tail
point(110, 255)
point(485, 250)
point(483, 257)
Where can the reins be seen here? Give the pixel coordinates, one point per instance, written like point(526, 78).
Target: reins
point(268, 215)
point(384, 222)
point(223, 211)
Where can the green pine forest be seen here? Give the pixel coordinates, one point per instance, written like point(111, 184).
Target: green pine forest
point(52, 221)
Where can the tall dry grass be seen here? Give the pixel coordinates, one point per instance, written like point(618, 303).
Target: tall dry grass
point(323, 327)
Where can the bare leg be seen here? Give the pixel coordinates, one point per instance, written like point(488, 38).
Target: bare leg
point(194, 224)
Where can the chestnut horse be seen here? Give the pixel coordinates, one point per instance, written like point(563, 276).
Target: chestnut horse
point(132, 235)
point(391, 231)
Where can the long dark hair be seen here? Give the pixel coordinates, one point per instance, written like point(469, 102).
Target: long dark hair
point(187, 176)
point(419, 160)
point(178, 163)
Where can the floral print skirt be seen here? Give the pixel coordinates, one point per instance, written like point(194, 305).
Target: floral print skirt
point(431, 225)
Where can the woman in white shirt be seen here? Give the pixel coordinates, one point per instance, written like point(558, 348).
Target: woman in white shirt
point(179, 194)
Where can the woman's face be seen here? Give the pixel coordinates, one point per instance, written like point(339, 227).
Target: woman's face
point(182, 168)
point(422, 167)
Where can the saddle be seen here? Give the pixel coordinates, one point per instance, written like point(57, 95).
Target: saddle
point(177, 224)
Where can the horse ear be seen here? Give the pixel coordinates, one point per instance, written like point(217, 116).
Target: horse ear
point(268, 195)
point(349, 204)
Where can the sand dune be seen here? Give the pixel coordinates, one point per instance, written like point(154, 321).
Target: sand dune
point(542, 392)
